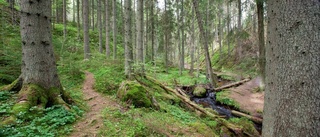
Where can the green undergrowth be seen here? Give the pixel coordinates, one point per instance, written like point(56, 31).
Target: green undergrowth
point(222, 97)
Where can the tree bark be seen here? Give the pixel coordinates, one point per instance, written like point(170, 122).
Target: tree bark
point(292, 69)
point(262, 51)
point(99, 19)
point(114, 7)
point(192, 51)
point(92, 14)
point(128, 39)
point(64, 21)
point(212, 77)
point(239, 48)
point(40, 82)
point(78, 18)
point(107, 29)
point(85, 16)
point(140, 69)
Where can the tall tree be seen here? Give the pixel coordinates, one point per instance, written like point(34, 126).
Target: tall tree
point(262, 58)
point(139, 54)
point(78, 18)
point(239, 48)
point(292, 69)
point(192, 51)
point(92, 14)
point(99, 19)
point(182, 36)
point(65, 20)
point(210, 75)
point(85, 8)
point(107, 29)
point(128, 39)
point(38, 83)
point(114, 7)
point(152, 16)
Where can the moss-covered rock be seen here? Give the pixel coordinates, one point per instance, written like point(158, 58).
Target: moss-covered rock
point(199, 91)
point(133, 92)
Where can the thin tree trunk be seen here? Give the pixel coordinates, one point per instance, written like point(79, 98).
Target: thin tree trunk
point(100, 26)
point(128, 40)
point(107, 29)
point(182, 35)
point(140, 64)
point(262, 58)
point(212, 77)
point(192, 43)
point(85, 9)
point(73, 11)
point(228, 27)
point(64, 20)
point(78, 18)
point(114, 7)
point(92, 13)
point(152, 30)
point(239, 49)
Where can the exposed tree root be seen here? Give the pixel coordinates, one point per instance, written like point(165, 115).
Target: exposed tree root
point(31, 95)
point(14, 86)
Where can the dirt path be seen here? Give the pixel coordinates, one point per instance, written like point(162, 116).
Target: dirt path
point(247, 99)
point(92, 120)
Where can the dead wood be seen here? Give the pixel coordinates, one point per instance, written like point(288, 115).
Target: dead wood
point(252, 118)
point(236, 129)
point(231, 85)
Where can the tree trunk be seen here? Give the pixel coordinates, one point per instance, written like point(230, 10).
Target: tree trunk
point(228, 26)
point(166, 38)
point(140, 69)
point(152, 30)
point(182, 37)
point(292, 69)
point(64, 21)
point(100, 26)
point(85, 4)
point(73, 12)
point(78, 18)
point(212, 77)
point(92, 13)
point(192, 51)
point(127, 39)
point(107, 29)
point(40, 82)
point(114, 7)
point(239, 48)
point(262, 58)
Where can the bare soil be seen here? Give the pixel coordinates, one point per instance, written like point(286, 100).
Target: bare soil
point(92, 121)
point(249, 100)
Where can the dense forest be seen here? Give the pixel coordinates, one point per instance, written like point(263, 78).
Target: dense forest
point(159, 68)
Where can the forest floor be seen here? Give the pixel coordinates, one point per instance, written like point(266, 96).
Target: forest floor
point(248, 99)
point(93, 120)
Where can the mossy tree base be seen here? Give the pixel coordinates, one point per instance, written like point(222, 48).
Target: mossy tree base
point(31, 95)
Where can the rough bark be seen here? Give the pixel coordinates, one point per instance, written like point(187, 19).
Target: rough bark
point(85, 4)
point(114, 8)
point(99, 19)
point(139, 52)
point(292, 69)
point(192, 51)
point(127, 39)
point(39, 83)
point(107, 29)
point(212, 77)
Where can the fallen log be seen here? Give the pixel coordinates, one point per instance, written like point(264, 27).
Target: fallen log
point(252, 118)
point(236, 129)
point(231, 85)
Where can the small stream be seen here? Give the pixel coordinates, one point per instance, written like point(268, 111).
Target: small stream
point(210, 101)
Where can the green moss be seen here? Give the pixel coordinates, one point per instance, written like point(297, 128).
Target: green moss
point(199, 91)
point(246, 125)
point(132, 91)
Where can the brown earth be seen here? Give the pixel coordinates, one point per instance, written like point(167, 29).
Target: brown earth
point(249, 100)
point(90, 124)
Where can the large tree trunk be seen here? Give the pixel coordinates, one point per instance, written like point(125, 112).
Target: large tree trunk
point(114, 7)
point(262, 58)
point(85, 8)
point(100, 26)
point(127, 39)
point(212, 77)
point(292, 69)
point(140, 69)
point(39, 79)
point(107, 29)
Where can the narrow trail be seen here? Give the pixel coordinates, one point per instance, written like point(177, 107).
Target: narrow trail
point(247, 99)
point(92, 121)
